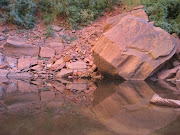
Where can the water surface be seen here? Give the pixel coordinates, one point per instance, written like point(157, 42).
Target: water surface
point(85, 107)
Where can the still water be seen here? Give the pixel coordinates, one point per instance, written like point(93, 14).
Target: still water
point(85, 107)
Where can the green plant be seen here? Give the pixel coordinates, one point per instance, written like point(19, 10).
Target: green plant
point(47, 18)
point(3, 17)
point(49, 31)
point(20, 31)
point(165, 13)
point(22, 12)
point(27, 36)
point(130, 4)
point(35, 37)
point(69, 39)
point(4, 4)
point(75, 11)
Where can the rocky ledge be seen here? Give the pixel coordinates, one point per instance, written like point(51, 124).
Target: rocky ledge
point(56, 58)
point(20, 59)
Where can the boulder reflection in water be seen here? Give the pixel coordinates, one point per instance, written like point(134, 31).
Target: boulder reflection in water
point(126, 110)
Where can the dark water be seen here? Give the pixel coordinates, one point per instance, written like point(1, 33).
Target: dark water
point(84, 107)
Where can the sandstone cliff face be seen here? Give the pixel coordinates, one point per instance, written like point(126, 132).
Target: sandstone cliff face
point(133, 49)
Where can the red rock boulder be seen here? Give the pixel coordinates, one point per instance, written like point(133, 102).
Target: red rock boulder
point(133, 49)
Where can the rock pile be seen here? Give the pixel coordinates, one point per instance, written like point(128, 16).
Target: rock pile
point(55, 58)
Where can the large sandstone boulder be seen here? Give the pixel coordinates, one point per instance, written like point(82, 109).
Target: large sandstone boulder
point(133, 49)
point(18, 47)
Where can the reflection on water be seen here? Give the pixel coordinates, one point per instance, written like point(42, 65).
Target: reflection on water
point(84, 107)
point(127, 109)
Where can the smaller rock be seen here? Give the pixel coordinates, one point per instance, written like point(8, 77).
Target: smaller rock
point(34, 61)
point(87, 60)
point(92, 68)
point(57, 46)
point(2, 38)
point(157, 100)
point(41, 72)
point(57, 64)
point(38, 82)
point(75, 73)
point(78, 65)
point(19, 75)
point(12, 87)
point(178, 42)
point(98, 77)
point(58, 86)
point(14, 70)
point(49, 65)
point(3, 73)
point(165, 74)
point(176, 63)
point(25, 86)
point(40, 62)
point(67, 58)
point(2, 108)
point(67, 92)
point(175, 35)
point(138, 7)
point(37, 68)
point(17, 47)
point(94, 74)
point(2, 34)
point(12, 62)
point(64, 73)
point(91, 63)
point(35, 76)
point(92, 85)
point(4, 66)
point(84, 74)
point(60, 67)
point(47, 52)
point(152, 23)
point(140, 13)
point(67, 63)
point(24, 62)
